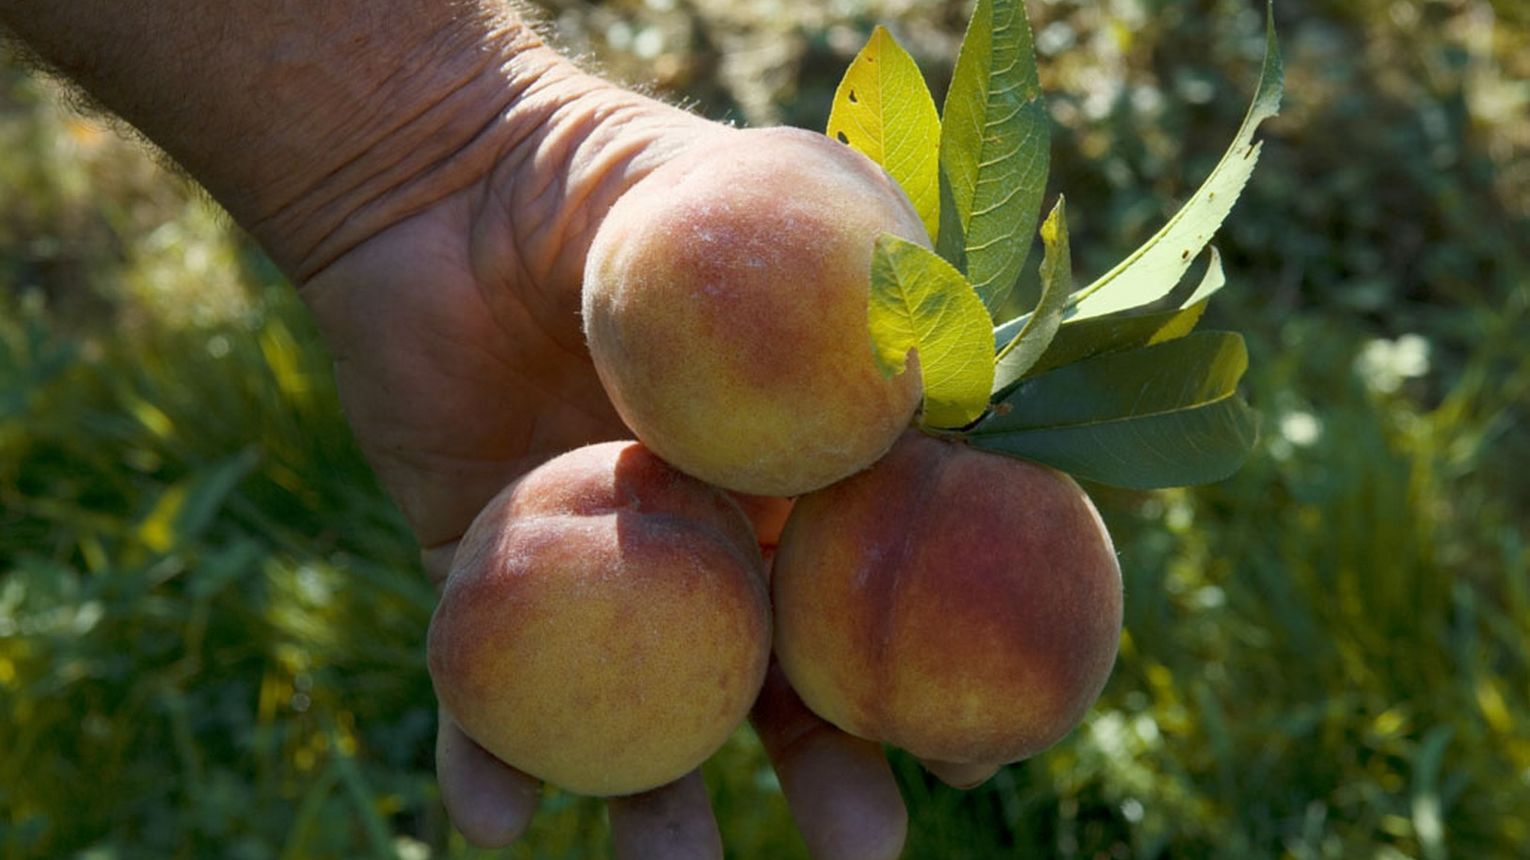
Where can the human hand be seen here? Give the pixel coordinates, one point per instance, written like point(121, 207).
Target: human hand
point(461, 365)
point(431, 178)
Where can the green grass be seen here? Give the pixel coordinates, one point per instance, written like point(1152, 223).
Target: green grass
point(212, 623)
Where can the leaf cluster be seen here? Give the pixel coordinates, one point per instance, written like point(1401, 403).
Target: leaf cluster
point(1105, 380)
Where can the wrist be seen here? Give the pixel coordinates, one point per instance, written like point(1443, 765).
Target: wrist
point(313, 124)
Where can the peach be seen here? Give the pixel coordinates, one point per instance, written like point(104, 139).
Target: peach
point(605, 625)
point(961, 605)
point(725, 308)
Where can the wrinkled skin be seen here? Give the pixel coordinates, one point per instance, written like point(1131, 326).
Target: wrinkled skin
point(461, 365)
point(430, 174)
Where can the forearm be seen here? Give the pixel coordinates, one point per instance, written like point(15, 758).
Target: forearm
point(314, 124)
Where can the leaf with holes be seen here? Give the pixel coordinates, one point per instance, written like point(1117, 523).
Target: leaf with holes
point(883, 110)
point(1151, 272)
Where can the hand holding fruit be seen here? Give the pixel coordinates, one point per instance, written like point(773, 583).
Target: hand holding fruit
point(434, 177)
point(743, 360)
point(960, 605)
point(462, 367)
point(761, 309)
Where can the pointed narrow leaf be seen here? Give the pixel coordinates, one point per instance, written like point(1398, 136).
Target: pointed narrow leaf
point(1212, 280)
point(1160, 416)
point(883, 110)
point(1016, 359)
point(1116, 333)
point(1078, 339)
point(994, 151)
point(1164, 377)
point(1200, 445)
point(1151, 271)
point(919, 301)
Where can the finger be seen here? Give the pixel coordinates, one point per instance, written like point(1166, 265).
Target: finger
point(840, 788)
point(437, 561)
point(490, 802)
point(671, 821)
point(959, 774)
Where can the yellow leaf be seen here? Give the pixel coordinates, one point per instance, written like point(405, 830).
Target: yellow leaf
point(920, 302)
point(883, 110)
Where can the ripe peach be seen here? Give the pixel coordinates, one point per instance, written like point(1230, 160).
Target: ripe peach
point(725, 307)
point(606, 624)
point(961, 605)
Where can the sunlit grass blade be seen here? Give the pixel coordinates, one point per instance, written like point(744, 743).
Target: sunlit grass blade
point(994, 151)
point(883, 110)
point(920, 302)
point(185, 509)
point(1031, 343)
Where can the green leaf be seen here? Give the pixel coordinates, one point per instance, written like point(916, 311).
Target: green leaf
point(1021, 353)
point(1080, 338)
point(883, 110)
point(1151, 271)
point(994, 151)
point(919, 301)
point(1160, 416)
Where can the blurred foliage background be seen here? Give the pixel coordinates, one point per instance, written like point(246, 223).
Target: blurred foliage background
point(211, 623)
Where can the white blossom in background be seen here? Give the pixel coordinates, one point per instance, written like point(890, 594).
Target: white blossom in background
point(1301, 428)
point(1385, 364)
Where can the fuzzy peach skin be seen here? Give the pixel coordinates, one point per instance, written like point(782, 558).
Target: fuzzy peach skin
point(725, 308)
point(606, 623)
point(961, 605)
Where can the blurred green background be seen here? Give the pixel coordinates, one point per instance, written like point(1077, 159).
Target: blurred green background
point(211, 622)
